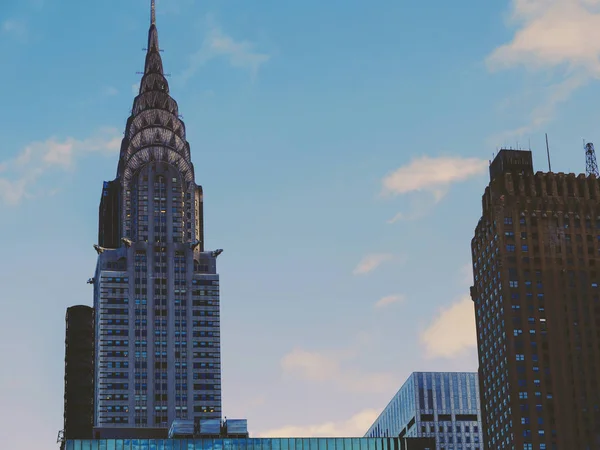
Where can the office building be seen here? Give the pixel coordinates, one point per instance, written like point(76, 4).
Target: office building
point(156, 289)
point(537, 304)
point(255, 444)
point(440, 405)
point(79, 373)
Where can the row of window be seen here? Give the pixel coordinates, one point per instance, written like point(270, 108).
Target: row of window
point(508, 220)
point(115, 279)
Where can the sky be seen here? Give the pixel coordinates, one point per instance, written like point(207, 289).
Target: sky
point(343, 148)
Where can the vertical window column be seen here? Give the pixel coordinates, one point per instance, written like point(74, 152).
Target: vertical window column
point(142, 208)
point(189, 215)
point(160, 337)
point(141, 340)
point(181, 409)
point(177, 211)
point(113, 343)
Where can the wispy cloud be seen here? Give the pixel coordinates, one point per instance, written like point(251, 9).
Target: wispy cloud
point(217, 44)
point(552, 34)
point(406, 217)
point(432, 175)
point(110, 91)
point(20, 174)
point(389, 300)
point(550, 98)
point(334, 367)
point(452, 332)
point(14, 28)
point(419, 207)
point(355, 426)
point(371, 262)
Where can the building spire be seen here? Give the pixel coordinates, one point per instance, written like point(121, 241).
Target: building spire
point(153, 60)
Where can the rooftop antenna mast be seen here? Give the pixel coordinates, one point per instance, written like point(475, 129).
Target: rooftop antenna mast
point(153, 12)
point(548, 152)
point(591, 166)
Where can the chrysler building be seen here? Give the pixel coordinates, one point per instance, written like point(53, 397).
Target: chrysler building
point(156, 288)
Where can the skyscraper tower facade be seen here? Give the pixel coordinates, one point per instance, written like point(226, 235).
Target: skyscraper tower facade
point(156, 290)
point(536, 257)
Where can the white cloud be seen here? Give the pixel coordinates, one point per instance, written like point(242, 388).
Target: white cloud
point(135, 89)
point(452, 332)
point(20, 174)
point(62, 153)
point(335, 367)
point(389, 300)
point(371, 262)
point(12, 192)
point(552, 34)
point(217, 44)
point(14, 28)
point(433, 175)
point(355, 426)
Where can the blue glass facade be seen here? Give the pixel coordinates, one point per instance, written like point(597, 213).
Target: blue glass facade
point(247, 444)
point(444, 405)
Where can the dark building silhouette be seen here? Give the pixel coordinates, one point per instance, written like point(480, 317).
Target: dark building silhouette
point(536, 255)
point(418, 443)
point(79, 373)
point(109, 234)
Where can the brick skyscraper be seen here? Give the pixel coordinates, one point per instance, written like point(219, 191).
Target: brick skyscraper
point(156, 291)
point(536, 256)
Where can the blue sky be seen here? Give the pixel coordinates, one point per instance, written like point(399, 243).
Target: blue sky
point(343, 150)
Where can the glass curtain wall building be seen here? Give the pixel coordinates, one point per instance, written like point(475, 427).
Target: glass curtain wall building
point(443, 405)
point(156, 291)
point(255, 444)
